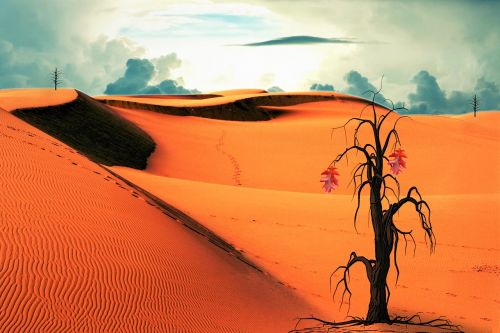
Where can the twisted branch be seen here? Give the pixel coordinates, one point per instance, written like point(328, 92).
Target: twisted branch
point(353, 259)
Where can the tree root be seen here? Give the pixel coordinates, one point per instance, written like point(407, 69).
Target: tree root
point(321, 325)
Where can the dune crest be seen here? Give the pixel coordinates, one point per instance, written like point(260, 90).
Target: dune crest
point(239, 107)
point(94, 130)
point(11, 99)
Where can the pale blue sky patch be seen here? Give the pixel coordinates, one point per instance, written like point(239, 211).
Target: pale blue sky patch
point(220, 28)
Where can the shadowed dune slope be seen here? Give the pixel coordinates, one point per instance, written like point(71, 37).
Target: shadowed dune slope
point(93, 129)
point(81, 251)
point(246, 107)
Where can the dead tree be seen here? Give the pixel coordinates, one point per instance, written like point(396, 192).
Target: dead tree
point(56, 78)
point(369, 176)
point(475, 104)
point(385, 203)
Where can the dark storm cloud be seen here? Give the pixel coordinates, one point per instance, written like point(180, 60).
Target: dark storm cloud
point(429, 98)
point(321, 87)
point(489, 95)
point(137, 78)
point(303, 40)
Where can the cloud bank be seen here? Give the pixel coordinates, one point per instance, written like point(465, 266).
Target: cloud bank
point(457, 41)
point(140, 73)
point(321, 87)
point(429, 98)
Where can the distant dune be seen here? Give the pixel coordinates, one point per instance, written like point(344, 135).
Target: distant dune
point(82, 251)
point(246, 107)
point(179, 97)
point(92, 128)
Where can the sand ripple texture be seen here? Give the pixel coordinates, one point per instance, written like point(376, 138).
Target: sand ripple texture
point(80, 253)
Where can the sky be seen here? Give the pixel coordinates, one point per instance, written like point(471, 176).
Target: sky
point(434, 54)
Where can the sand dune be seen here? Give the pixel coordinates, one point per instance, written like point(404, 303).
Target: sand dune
point(257, 185)
point(173, 97)
point(269, 99)
point(83, 251)
point(86, 250)
point(93, 129)
point(11, 99)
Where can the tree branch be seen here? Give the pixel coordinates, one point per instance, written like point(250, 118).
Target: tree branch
point(423, 210)
point(363, 150)
point(353, 259)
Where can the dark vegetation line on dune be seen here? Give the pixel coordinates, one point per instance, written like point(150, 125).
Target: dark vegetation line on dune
point(94, 129)
point(187, 221)
point(246, 109)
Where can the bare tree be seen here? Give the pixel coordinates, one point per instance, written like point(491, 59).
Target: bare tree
point(56, 78)
point(385, 202)
point(475, 104)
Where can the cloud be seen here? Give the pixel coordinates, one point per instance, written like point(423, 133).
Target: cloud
point(358, 85)
point(140, 73)
point(489, 95)
point(302, 40)
point(172, 87)
point(137, 76)
point(275, 89)
point(467, 39)
point(429, 98)
point(321, 87)
point(165, 64)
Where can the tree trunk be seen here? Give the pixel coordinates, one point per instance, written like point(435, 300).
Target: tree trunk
point(377, 310)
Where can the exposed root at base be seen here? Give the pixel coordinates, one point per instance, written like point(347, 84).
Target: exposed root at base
point(326, 326)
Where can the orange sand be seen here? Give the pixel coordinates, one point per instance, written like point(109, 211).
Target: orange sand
point(27, 98)
point(81, 251)
point(257, 185)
